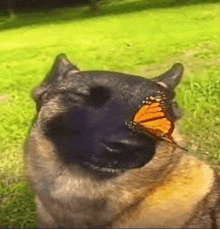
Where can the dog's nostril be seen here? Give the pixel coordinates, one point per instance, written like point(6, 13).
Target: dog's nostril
point(121, 145)
point(111, 147)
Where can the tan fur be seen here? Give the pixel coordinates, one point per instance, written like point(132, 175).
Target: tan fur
point(162, 194)
point(172, 204)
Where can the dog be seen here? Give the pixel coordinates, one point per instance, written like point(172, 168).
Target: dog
point(104, 152)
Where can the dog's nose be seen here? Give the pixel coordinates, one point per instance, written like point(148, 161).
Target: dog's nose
point(122, 145)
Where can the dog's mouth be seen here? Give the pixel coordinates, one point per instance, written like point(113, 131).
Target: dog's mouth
point(116, 158)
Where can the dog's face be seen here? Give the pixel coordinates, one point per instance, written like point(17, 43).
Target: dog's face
point(84, 114)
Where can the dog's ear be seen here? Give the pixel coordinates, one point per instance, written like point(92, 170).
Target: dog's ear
point(171, 78)
point(60, 67)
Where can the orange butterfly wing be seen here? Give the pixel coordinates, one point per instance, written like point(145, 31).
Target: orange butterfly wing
point(153, 119)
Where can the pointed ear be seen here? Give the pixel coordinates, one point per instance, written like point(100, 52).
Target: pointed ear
point(60, 66)
point(171, 78)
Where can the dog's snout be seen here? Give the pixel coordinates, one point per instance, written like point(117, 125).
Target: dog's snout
point(121, 145)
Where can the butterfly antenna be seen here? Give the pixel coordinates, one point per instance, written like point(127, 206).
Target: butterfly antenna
point(172, 141)
point(181, 147)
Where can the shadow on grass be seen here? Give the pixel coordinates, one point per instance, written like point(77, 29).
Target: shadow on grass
point(107, 7)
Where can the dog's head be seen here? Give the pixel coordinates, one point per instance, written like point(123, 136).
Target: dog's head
point(84, 114)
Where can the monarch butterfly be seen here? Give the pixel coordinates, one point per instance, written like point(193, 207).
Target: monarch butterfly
point(152, 119)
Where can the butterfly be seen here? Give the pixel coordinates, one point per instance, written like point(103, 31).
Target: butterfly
point(152, 119)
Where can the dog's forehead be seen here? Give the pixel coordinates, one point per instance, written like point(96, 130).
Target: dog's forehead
point(132, 88)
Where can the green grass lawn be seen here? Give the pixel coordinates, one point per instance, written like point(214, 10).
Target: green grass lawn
point(128, 36)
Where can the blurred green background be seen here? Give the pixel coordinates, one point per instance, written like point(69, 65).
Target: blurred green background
point(131, 36)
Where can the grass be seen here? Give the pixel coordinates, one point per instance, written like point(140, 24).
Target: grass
point(129, 36)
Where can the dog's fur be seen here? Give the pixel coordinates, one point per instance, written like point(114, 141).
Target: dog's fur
point(90, 170)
